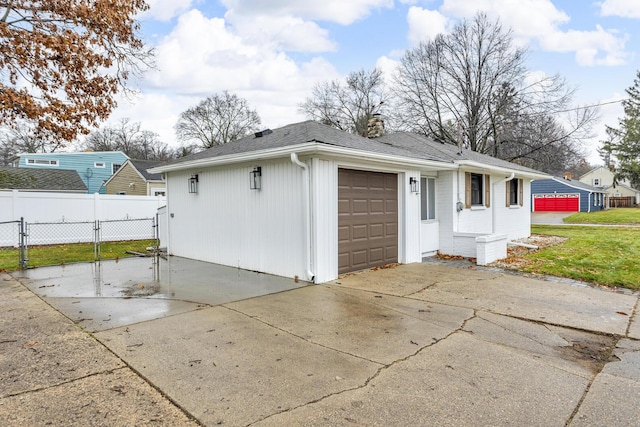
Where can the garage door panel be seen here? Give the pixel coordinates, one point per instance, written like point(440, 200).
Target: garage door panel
point(368, 228)
point(391, 229)
point(376, 206)
point(359, 232)
point(343, 234)
point(376, 255)
point(391, 252)
point(360, 258)
point(376, 230)
point(343, 206)
point(377, 182)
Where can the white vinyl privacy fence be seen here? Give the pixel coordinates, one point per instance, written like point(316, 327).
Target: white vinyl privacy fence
point(69, 207)
point(35, 221)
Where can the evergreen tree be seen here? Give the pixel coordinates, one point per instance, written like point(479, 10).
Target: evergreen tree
point(624, 141)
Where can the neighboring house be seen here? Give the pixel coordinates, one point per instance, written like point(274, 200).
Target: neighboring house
point(602, 177)
point(94, 167)
point(133, 179)
point(48, 180)
point(565, 195)
point(310, 201)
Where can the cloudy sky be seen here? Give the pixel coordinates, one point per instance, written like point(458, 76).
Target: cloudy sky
point(273, 52)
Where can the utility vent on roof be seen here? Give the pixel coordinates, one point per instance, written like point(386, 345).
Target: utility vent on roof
point(263, 133)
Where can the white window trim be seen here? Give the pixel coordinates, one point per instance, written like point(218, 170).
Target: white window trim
point(42, 162)
point(100, 165)
point(113, 165)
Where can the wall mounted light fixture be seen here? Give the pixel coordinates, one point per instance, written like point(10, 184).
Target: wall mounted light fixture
point(193, 184)
point(255, 178)
point(413, 184)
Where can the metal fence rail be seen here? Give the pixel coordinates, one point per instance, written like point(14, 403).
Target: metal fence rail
point(60, 242)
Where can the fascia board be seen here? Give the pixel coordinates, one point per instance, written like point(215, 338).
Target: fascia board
point(303, 149)
point(568, 184)
point(499, 169)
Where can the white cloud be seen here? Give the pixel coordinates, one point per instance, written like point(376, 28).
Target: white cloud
point(165, 10)
point(424, 24)
point(623, 8)
point(282, 33)
point(598, 47)
point(540, 21)
point(202, 56)
point(340, 11)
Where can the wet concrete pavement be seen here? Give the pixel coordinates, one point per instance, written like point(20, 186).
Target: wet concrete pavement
point(418, 344)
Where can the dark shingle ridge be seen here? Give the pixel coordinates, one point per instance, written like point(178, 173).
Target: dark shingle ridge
point(143, 165)
point(400, 144)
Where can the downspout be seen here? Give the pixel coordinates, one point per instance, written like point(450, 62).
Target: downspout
point(493, 196)
point(588, 202)
point(307, 213)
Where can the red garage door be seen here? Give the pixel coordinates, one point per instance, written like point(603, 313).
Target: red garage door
point(556, 202)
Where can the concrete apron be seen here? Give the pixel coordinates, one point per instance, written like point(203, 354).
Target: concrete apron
point(413, 345)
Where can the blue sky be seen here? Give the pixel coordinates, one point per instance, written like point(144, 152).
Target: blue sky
point(273, 52)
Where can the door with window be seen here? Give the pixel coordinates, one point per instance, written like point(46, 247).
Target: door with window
point(429, 227)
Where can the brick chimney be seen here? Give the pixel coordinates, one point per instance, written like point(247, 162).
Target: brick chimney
point(568, 176)
point(375, 126)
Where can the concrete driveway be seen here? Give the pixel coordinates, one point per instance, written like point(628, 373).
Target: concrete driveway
point(417, 344)
point(549, 218)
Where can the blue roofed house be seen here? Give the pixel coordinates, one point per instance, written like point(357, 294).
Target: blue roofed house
point(94, 167)
point(310, 201)
point(566, 195)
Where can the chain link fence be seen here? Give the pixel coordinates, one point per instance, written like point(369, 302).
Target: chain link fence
point(26, 244)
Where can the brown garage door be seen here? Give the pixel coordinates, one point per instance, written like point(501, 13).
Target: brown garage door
point(367, 219)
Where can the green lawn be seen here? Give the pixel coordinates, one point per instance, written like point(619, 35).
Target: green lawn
point(76, 252)
point(603, 255)
point(611, 216)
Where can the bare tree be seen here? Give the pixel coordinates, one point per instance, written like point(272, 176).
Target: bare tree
point(128, 137)
point(347, 106)
point(217, 120)
point(23, 137)
point(473, 84)
point(62, 62)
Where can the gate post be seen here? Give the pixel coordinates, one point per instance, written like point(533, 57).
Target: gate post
point(96, 240)
point(22, 235)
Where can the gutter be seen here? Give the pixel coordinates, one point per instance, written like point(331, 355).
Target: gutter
point(307, 213)
point(493, 196)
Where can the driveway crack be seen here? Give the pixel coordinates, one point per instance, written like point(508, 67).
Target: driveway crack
point(371, 378)
point(586, 390)
point(634, 312)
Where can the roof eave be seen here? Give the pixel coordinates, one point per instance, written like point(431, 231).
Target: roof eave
point(500, 169)
point(303, 149)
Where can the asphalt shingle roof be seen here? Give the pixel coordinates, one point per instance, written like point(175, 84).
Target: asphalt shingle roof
point(401, 144)
point(40, 179)
point(143, 165)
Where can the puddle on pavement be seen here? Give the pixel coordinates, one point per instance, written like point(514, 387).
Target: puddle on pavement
point(113, 293)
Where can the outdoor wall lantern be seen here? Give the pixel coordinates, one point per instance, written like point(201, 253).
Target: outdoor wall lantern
point(255, 178)
point(193, 184)
point(413, 184)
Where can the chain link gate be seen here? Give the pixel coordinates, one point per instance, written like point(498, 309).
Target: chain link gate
point(12, 243)
point(55, 243)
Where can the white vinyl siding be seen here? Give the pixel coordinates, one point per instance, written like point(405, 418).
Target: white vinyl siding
point(228, 223)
